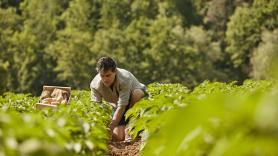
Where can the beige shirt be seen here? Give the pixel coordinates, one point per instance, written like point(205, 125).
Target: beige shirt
point(119, 94)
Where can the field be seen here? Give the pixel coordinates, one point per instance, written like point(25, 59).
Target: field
point(212, 119)
point(210, 67)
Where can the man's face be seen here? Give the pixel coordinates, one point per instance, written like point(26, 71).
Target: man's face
point(107, 77)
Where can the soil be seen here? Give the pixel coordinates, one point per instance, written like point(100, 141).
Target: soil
point(123, 148)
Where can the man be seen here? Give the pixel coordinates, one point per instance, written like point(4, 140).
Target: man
point(118, 87)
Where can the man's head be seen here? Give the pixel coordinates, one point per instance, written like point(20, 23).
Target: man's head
point(106, 67)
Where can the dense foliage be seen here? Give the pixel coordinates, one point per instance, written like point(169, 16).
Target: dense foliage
point(213, 119)
point(77, 129)
point(178, 41)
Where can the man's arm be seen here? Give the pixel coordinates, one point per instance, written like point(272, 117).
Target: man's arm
point(124, 95)
point(117, 116)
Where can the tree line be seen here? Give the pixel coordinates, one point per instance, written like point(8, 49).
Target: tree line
point(187, 41)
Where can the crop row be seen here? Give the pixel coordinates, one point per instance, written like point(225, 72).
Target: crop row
point(212, 119)
point(77, 129)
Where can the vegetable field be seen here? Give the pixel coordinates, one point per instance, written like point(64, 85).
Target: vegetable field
point(212, 119)
point(79, 128)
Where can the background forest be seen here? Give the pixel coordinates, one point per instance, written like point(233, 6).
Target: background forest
point(57, 42)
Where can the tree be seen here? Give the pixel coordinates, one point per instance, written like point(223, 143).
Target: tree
point(72, 54)
point(9, 23)
point(245, 28)
point(183, 56)
point(71, 50)
point(8, 3)
point(162, 49)
point(3, 76)
point(265, 56)
point(32, 67)
point(115, 12)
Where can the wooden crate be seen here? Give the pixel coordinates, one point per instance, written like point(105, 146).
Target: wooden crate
point(41, 105)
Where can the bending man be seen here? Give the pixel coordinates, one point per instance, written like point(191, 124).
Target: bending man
point(121, 89)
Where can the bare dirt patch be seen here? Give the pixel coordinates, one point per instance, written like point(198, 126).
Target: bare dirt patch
point(123, 148)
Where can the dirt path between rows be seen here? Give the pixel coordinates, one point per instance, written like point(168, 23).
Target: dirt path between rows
point(125, 148)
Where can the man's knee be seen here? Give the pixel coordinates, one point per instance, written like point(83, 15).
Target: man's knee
point(120, 138)
point(119, 133)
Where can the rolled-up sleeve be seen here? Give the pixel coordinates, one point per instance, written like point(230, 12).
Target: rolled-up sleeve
point(124, 93)
point(95, 96)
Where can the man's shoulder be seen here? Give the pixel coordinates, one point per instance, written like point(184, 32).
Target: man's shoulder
point(124, 75)
point(96, 82)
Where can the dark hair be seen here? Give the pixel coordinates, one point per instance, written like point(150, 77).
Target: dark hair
point(105, 64)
